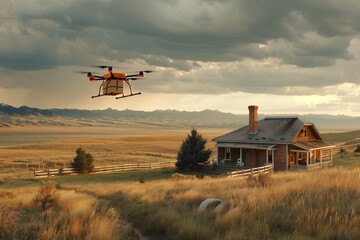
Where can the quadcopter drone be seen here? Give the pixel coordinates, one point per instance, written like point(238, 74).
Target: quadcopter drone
point(113, 83)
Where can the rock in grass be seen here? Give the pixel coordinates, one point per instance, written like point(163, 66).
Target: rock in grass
point(203, 206)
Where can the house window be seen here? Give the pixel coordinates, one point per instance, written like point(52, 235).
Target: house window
point(292, 158)
point(299, 155)
point(304, 132)
point(227, 153)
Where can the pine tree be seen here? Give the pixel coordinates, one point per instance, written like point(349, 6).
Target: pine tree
point(192, 154)
point(83, 161)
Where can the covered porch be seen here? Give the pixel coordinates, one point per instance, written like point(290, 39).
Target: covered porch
point(245, 155)
point(309, 155)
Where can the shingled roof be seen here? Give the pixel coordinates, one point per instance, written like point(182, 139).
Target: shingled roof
point(270, 130)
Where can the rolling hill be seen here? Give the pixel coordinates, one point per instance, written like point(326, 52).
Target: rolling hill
point(26, 116)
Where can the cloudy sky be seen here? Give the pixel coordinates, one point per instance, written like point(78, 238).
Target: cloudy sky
point(284, 56)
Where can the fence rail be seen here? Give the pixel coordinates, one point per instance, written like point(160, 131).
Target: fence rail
point(350, 147)
point(251, 171)
point(105, 169)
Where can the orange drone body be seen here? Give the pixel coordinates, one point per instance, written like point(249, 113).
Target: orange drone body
point(115, 75)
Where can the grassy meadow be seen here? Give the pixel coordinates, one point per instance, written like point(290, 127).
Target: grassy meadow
point(143, 145)
point(318, 204)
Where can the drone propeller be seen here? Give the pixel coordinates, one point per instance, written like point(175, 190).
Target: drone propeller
point(102, 66)
point(108, 67)
point(148, 71)
point(83, 72)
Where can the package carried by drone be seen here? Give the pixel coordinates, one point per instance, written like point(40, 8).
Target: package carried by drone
point(113, 87)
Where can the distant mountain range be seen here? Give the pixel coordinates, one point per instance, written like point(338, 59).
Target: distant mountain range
point(25, 116)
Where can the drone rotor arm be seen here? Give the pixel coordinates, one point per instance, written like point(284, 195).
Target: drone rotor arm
point(134, 75)
point(95, 78)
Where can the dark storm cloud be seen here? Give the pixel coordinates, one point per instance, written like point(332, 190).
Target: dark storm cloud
point(197, 30)
point(182, 36)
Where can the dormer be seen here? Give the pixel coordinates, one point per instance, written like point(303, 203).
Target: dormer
point(308, 132)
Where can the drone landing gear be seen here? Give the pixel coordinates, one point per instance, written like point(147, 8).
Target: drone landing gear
point(100, 95)
point(132, 94)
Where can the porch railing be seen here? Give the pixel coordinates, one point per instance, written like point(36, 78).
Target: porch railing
point(310, 166)
point(251, 171)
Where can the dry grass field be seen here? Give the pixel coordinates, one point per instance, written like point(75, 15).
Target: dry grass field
point(74, 216)
point(319, 204)
point(143, 145)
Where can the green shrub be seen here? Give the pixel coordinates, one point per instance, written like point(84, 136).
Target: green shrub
point(83, 162)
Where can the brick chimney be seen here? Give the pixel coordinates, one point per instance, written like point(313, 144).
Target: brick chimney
point(253, 119)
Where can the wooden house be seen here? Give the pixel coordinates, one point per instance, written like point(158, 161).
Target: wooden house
point(287, 143)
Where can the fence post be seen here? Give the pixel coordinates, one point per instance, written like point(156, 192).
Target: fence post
point(138, 165)
point(252, 172)
point(48, 172)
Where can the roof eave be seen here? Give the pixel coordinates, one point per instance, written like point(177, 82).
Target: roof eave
point(252, 142)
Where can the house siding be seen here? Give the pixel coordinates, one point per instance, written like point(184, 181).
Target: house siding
point(254, 157)
point(310, 134)
point(221, 153)
point(234, 155)
point(280, 157)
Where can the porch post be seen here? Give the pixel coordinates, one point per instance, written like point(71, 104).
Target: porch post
point(320, 157)
point(273, 157)
point(240, 158)
point(241, 153)
point(287, 157)
point(217, 156)
point(307, 160)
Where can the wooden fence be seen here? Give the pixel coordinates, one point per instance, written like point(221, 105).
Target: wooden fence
point(348, 148)
point(251, 171)
point(105, 169)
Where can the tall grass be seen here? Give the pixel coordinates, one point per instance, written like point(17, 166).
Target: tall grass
point(75, 216)
point(322, 204)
